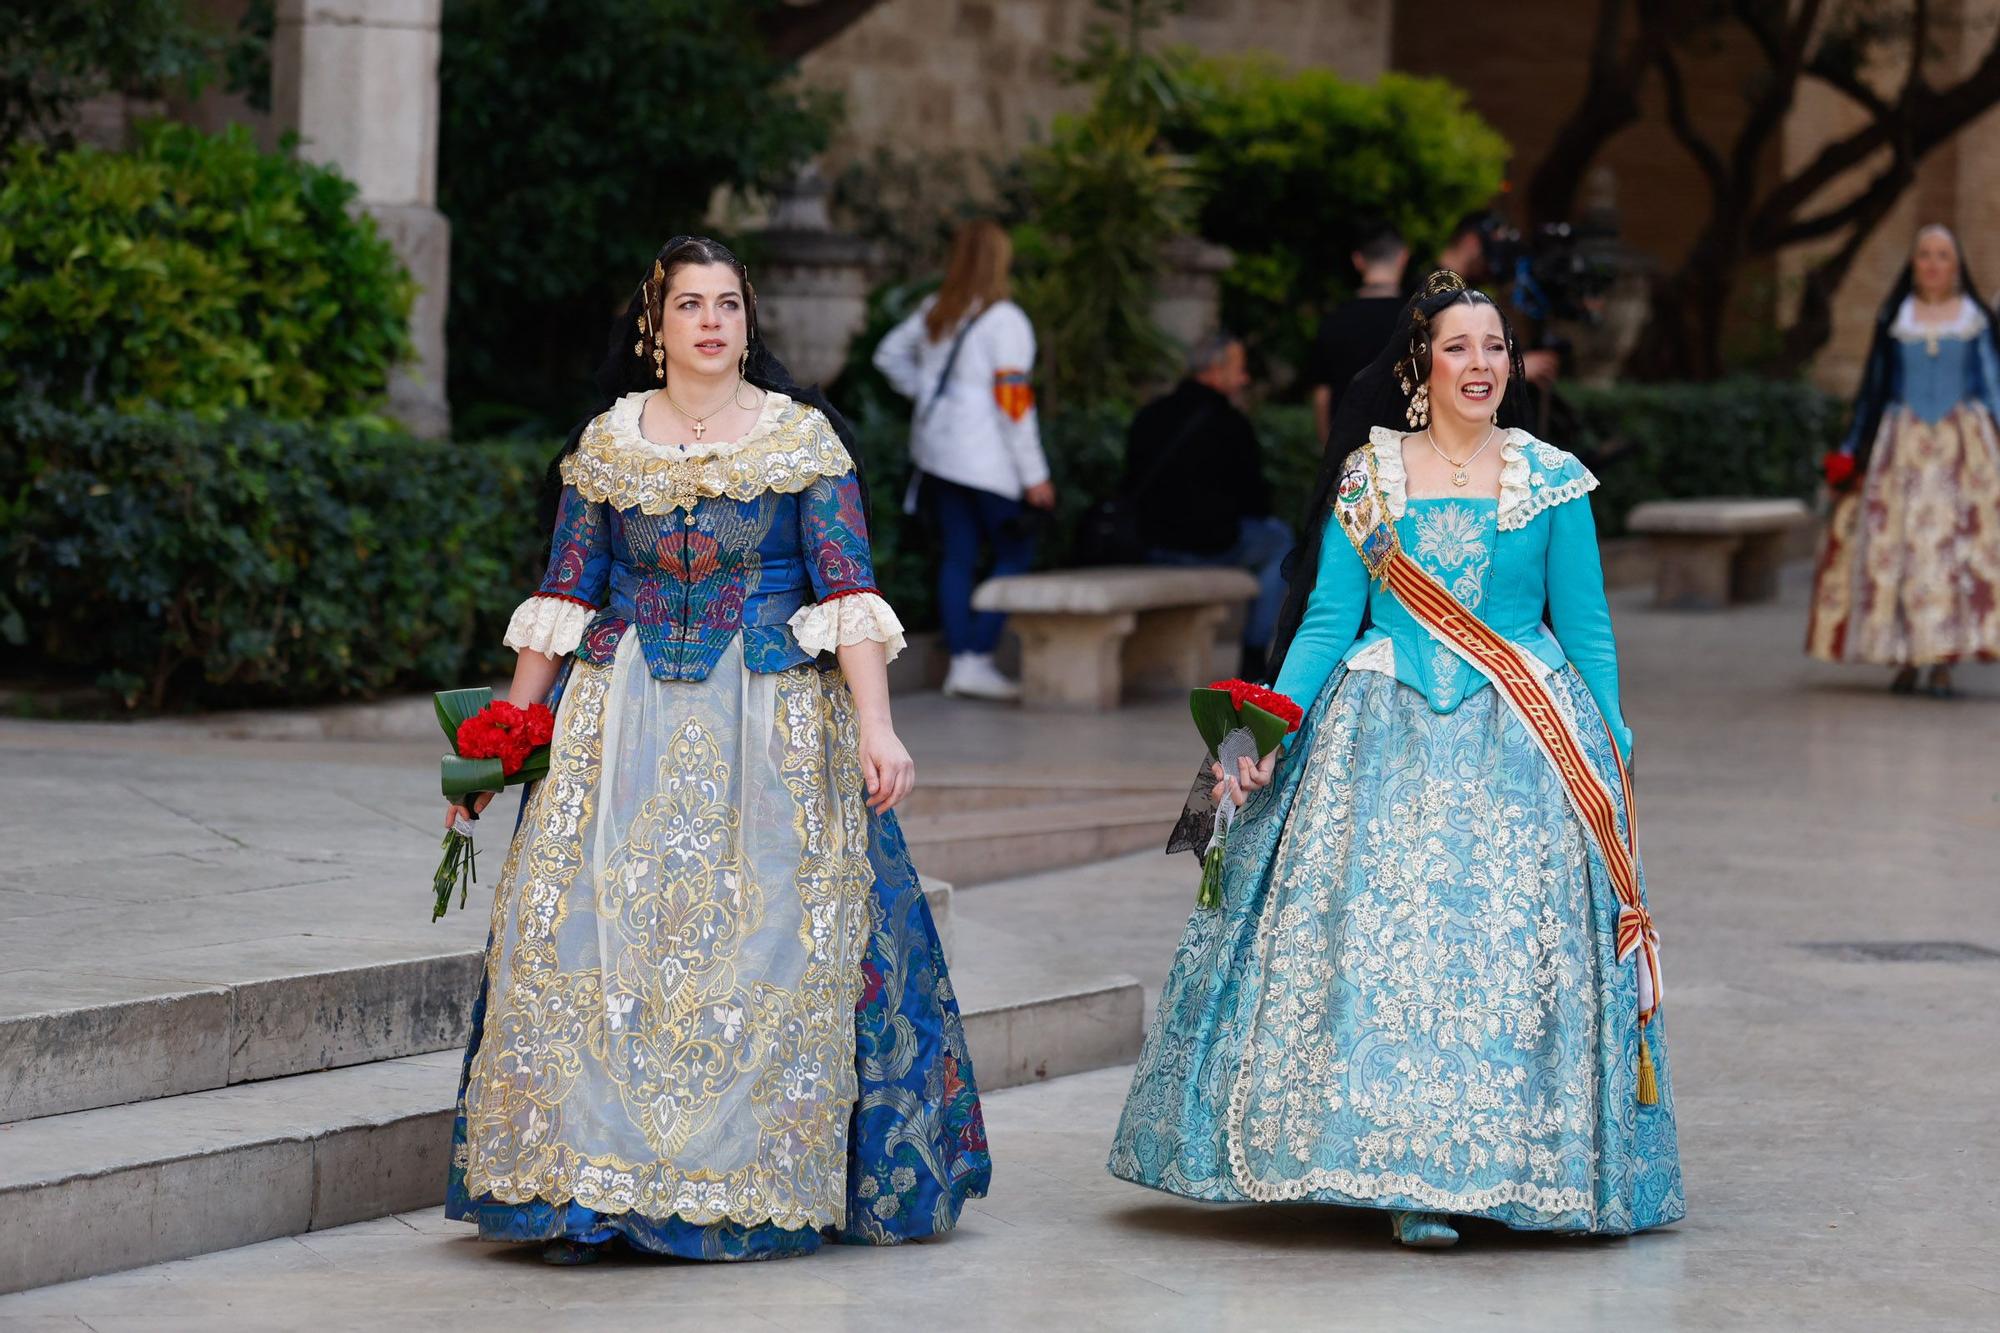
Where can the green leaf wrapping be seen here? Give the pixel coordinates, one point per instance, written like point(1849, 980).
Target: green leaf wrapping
point(1215, 716)
point(462, 777)
point(455, 706)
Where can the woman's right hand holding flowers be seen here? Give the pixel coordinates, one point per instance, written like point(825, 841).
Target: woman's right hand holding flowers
point(1250, 778)
point(470, 810)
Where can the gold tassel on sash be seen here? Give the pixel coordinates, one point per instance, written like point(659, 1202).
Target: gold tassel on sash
point(1649, 1082)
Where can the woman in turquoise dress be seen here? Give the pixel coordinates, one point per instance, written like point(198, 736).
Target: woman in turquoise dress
point(1432, 986)
point(716, 1021)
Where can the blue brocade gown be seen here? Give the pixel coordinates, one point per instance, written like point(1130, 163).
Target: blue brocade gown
point(1409, 998)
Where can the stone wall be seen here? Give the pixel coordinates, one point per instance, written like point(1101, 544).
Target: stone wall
point(1526, 78)
point(979, 75)
point(1958, 185)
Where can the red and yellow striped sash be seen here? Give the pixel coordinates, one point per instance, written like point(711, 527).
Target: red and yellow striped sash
point(1518, 679)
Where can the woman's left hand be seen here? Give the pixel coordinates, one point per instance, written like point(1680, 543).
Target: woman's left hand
point(887, 768)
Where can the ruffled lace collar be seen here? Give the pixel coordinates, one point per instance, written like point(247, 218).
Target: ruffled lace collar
point(1967, 323)
point(621, 423)
point(790, 447)
point(1392, 479)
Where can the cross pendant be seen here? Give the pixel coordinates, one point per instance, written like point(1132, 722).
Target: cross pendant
point(701, 426)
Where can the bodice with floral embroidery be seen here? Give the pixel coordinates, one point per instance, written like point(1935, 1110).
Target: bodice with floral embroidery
point(1525, 562)
point(690, 546)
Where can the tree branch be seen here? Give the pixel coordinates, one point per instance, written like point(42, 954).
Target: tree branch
point(1888, 184)
point(1785, 48)
point(1925, 119)
point(1701, 150)
point(1609, 103)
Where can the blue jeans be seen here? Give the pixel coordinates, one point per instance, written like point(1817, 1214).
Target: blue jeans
point(966, 520)
point(1261, 547)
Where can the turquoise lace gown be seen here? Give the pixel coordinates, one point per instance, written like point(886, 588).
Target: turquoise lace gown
point(1410, 998)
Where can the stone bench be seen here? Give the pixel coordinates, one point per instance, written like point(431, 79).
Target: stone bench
point(1712, 553)
point(1090, 635)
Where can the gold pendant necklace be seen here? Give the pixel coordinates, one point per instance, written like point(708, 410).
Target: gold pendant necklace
point(1459, 476)
point(701, 423)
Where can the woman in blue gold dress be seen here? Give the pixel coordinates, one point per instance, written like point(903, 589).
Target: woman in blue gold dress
point(1432, 986)
point(716, 1021)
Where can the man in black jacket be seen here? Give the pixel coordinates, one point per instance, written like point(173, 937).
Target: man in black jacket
point(1194, 473)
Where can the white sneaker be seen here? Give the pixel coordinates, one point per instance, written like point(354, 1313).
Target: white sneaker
point(973, 676)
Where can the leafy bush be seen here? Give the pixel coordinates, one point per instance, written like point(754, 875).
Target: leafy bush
point(189, 561)
point(1104, 198)
point(1295, 163)
point(573, 142)
point(1106, 205)
point(1677, 441)
point(195, 272)
point(56, 55)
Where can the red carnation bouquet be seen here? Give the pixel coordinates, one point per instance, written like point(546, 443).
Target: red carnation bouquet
point(494, 746)
point(1239, 720)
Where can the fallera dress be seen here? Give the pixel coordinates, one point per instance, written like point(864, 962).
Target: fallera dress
point(1411, 997)
point(1909, 571)
point(716, 1020)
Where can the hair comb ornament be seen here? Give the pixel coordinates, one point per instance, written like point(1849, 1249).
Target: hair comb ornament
point(1442, 281)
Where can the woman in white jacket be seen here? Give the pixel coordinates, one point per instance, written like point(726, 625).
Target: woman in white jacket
point(964, 358)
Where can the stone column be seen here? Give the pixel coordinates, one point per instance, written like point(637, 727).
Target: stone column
point(1188, 303)
point(357, 80)
point(812, 282)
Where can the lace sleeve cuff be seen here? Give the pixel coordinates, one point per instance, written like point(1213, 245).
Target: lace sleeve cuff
point(551, 625)
point(854, 618)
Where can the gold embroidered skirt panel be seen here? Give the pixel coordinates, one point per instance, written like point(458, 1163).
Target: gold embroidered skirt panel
point(675, 959)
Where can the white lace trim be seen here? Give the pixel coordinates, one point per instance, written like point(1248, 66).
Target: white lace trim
point(1377, 656)
point(1516, 476)
point(1391, 481)
point(856, 618)
point(1908, 329)
point(548, 625)
point(1544, 498)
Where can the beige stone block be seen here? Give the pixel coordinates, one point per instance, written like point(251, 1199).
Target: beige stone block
point(380, 1170)
point(422, 239)
point(362, 95)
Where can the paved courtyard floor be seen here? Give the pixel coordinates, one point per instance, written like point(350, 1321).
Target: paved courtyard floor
point(1837, 1088)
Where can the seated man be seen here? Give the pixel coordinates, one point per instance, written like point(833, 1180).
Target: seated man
point(1194, 473)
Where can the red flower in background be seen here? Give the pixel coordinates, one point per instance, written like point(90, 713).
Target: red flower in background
point(1838, 467)
point(1243, 692)
point(504, 732)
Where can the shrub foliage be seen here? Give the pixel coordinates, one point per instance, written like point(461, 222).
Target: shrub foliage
point(1296, 163)
point(182, 560)
point(195, 272)
point(573, 141)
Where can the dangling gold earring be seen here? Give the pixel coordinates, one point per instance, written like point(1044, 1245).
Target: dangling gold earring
point(743, 362)
point(1418, 414)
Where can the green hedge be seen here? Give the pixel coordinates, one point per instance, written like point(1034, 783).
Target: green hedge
point(1677, 441)
point(182, 561)
point(194, 272)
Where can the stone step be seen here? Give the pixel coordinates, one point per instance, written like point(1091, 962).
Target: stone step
point(238, 1013)
point(120, 1186)
point(977, 846)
